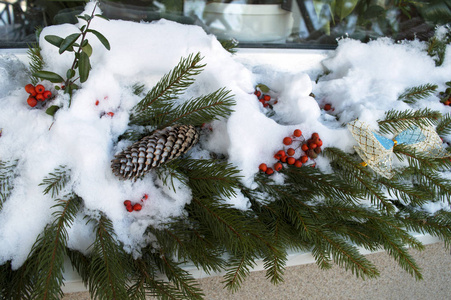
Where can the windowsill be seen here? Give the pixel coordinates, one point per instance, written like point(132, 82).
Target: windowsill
point(73, 282)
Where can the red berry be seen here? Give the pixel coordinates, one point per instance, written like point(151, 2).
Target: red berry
point(145, 197)
point(47, 94)
point(129, 208)
point(278, 166)
point(304, 159)
point(298, 163)
point(280, 154)
point(284, 159)
point(266, 97)
point(32, 101)
point(40, 89)
point(312, 145)
point(265, 104)
point(29, 88)
point(269, 171)
point(304, 147)
point(263, 167)
point(297, 133)
point(315, 135)
point(137, 207)
point(291, 152)
point(40, 97)
point(111, 114)
point(291, 160)
point(127, 202)
point(447, 102)
point(287, 141)
point(327, 107)
point(258, 94)
point(319, 143)
point(97, 102)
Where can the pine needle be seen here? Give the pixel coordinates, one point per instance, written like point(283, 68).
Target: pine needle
point(444, 126)
point(56, 181)
point(397, 121)
point(412, 95)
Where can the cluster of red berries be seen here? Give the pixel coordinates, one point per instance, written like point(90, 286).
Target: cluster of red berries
point(135, 207)
point(37, 93)
point(265, 99)
point(310, 150)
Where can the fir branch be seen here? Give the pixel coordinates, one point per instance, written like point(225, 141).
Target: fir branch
point(19, 283)
point(174, 83)
point(138, 88)
point(437, 49)
point(438, 225)
point(321, 184)
point(444, 126)
point(230, 45)
point(418, 160)
point(203, 109)
point(179, 277)
point(56, 181)
point(146, 285)
point(398, 251)
point(404, 191)
point(397, 121)
point(36, 62)
point(228, 225)
point(187, 242)
point(109, 266)
point(50, 250)
point(240, 267)
point(439, 186)
point(210, 177)
point(81, 264)
point(346, 255)
point(7, 174)
point(413, 94)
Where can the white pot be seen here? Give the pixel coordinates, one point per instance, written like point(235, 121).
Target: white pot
point(248, 22)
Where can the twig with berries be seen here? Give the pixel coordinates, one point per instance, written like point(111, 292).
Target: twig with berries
point(129, 206)
point(82, 52)
point(297, 155)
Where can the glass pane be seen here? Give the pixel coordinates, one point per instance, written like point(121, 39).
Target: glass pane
point(254, 23)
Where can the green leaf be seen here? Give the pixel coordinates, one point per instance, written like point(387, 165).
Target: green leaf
point(50, 76)
point(343, 8)
point(101, 38)
point(87, 49)
point(84, 66)
point(52, 110)
point(70, 73)
point(68, 42)
point(101, 16)
point(54, 40)
point(373, 11)
point(264, 88)
point(85, 17)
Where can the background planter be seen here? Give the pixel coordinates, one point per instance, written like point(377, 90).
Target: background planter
point(249, 22)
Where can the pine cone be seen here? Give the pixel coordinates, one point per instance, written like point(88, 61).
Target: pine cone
point(152, 150)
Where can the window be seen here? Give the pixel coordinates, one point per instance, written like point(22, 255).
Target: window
point(254, 23)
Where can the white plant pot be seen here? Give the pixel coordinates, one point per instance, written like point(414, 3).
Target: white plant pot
point(248, 22)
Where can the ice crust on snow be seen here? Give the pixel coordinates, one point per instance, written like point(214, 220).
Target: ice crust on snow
point(364, 81)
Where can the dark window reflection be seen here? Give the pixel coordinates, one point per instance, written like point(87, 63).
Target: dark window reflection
point(255, 23)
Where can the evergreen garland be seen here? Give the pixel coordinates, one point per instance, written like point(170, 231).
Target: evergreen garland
point(311, 211)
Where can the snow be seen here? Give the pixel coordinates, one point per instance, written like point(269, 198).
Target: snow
point(363, 81)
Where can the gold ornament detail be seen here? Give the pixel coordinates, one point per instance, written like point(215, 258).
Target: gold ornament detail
point(153, 150)
point(376, 151)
